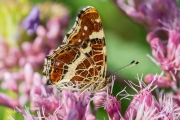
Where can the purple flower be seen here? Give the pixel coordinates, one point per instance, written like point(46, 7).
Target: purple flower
point(31, 22)
point(160, 81)
point(168, 107)
point(161, 19)
point(166, 55)
point(69, 106)
point(5, 100)
point(18, 64)
point(144, 100)
point(9, 82)
point(150, 12)
point(113, 107)
point(49, 104)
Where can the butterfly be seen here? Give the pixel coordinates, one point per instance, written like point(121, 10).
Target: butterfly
point(80, 63)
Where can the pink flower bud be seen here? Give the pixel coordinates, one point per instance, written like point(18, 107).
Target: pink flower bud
point(5, 100)
point(158, 49)
point(113, 107)
point(27, 48)
point(41, 31)
point(28, 73)
point(9, 82)
point(160, 80)
point(37, 45)
point(173, 42)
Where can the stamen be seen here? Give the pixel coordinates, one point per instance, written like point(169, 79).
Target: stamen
point(153, 60)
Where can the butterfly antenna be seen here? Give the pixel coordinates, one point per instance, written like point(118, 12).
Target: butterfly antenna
point(133, 63)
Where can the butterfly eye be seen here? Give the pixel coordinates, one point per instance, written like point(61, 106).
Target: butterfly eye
point(109, 80)
point(49, 82)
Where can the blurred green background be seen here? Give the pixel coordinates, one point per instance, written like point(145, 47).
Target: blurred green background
point(125, 40)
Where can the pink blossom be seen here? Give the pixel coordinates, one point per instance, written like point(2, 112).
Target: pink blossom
point(5, 100)
point(113, 107)
point(143, 98)
point(18, 63)
point(150, 12)
point(161, 81)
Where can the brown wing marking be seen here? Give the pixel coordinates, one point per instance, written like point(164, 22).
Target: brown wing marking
point(56, 64)
point(92, 48)
point(87, 22)
point(99, 55)
point(94, 66)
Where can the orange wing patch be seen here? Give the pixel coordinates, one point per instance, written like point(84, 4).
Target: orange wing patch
point(82, 56)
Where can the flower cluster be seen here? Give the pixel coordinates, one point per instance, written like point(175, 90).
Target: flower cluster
point(74, 105)
point(160, 19)
point(149, 13)
point(54, 107)
point(19, 62)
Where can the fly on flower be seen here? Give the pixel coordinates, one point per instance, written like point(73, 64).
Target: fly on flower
point(80, 63)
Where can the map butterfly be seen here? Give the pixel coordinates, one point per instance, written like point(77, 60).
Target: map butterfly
point(80, 63)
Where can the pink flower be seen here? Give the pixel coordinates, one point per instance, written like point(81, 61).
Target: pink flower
point(69, 106)
point(162, 20)
point(167, 57)
point(160, 81)
point(5, 100)
point(150, 12)
point(144, 100)
point(169, 110)
point(113, 107)
point(18, 64)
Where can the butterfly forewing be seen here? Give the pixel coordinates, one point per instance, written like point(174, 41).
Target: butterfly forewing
point(82, 57)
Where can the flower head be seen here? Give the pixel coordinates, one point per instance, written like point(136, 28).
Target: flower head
point(69, 106)
point(18, 63)
point(31, 22)
point(113, 107)
point(166, 53)
point(148, 12)
point(143, 99)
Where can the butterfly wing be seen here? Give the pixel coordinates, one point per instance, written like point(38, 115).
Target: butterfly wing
point(82, 57)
